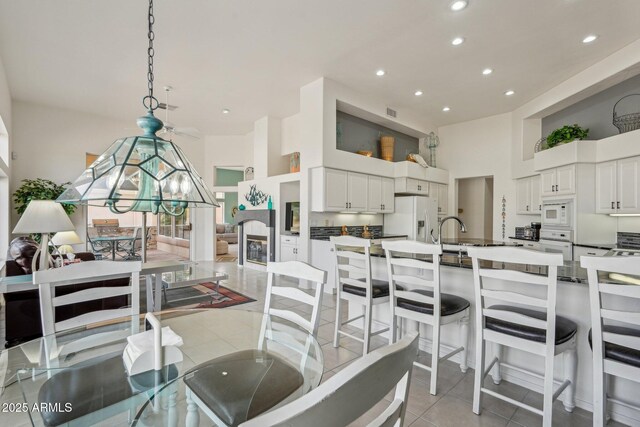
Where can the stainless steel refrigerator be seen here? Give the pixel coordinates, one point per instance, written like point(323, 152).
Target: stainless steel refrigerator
point(414, 216)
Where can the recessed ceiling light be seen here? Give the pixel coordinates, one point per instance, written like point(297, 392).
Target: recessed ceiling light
point(457, 41)
point(458, 5)
point(225, 111)
point(380, 73)
point(509, 92)
point(418, 93)
point(445, 109)
point(487, 71)
point(590, 38)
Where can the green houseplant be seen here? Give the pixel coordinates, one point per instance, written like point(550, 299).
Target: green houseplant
point(566, 134)
point(39, 189)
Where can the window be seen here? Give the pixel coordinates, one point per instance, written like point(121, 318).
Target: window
point(175, 227)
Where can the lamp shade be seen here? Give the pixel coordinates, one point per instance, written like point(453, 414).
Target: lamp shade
point(43, 216)
point(66, 238)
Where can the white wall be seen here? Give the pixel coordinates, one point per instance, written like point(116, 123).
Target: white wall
point(482, 148)
point(291, 134)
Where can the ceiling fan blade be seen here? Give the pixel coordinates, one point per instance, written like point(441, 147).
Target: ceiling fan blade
point(182, 132)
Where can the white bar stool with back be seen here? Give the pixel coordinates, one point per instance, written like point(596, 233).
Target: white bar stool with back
point(408, 264)
point(354, 283)
point(616, 346)
point(538, 331)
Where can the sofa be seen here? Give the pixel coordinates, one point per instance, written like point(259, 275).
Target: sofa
point(227, 233)
point(22, 317)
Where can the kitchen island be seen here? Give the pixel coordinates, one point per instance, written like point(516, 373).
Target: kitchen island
point(572, 302)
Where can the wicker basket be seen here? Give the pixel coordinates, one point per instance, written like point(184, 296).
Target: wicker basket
point(628, 121)
point(386, 148)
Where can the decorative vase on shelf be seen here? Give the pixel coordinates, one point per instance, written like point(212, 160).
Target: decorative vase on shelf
point(386, 148)
point(294, 162)
point(270, 204)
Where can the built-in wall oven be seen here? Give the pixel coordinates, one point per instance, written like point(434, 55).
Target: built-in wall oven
point(557, 214)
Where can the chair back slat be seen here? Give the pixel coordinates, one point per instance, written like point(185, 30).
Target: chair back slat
point(509, 316)
point(349, 268)
point(87, 271)
point(341, 400)
point(413, 280)
point(354, 282)
point(350, 241)
point(91, 318)
point(631, 317)
point(510, 260)
point(514, 297)
point(412, 263)
point(90, 294)
point(350, 265)
point(411, 247)
point(513, 276)
point(628, 291)
point(628, 341)
point(350, 254)
point(300, 271)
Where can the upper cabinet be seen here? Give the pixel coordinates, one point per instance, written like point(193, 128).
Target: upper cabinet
point(411, 186)
point(618, 186)
point(559, 181)
point(528, 195)
point(335, 190)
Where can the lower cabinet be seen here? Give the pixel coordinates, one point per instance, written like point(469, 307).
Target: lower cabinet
point(528, 244)
point(288, 248)
point(579, 251)
point(323, 257)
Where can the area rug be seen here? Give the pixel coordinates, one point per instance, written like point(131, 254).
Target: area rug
point(205, 295)
point(227, 258)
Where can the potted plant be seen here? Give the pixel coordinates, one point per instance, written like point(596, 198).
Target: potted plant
point(39, 189)
point(566, 134)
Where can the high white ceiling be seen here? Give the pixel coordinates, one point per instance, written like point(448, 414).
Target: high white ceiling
point(252, 56)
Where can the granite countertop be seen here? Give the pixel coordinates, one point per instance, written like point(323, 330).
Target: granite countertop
point(597, 245)
point(461, 241)
point(524, 238)
point(383, 236)
point(570, 271)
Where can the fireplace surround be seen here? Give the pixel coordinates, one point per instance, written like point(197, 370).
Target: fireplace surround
point(265, 216)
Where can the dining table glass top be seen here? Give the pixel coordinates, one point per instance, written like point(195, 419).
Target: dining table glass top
point(79, 376)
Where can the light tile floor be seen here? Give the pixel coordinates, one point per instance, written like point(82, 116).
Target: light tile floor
point(450, 408)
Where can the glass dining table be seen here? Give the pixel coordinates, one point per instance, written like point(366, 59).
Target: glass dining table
point(78, 377)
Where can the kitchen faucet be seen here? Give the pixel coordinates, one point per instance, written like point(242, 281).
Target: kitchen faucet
point(438, 241)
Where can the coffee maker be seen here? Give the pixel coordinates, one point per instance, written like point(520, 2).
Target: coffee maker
point(532, 232)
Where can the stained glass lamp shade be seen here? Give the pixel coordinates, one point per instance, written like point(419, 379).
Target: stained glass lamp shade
point(142, 174)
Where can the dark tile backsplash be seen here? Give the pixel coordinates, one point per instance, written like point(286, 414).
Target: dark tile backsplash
point(629, 240)
point(324, 233)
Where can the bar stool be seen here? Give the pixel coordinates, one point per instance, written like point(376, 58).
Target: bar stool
point(424, 299)
point(538, 331)
point(616, 348)
point(354, 284)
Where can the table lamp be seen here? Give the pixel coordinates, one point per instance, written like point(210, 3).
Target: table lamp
point(44, 217)
point(63, 240)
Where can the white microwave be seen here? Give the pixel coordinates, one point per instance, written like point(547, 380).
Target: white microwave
point(557, 214)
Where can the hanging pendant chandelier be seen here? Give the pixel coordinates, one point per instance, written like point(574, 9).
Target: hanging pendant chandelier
point(142, 173)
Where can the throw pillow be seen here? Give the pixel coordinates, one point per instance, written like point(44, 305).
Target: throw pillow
point(228, 228)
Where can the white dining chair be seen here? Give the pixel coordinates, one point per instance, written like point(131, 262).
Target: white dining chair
point(416, 265)
point(96, 386)
point(258, 379)
point(536, 330)
point(355, 284)
point(353, 391)
point(615, 331)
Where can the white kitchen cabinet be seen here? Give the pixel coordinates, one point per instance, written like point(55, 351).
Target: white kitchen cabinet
point(559, 181)
point(528, 195)
point(323, 257)
point(288, 248)
point(338, 191)
point(618, 186)
point(606, 186)
point(411, 186)
point(579, 251)
point(528, 244)
point(381, 195)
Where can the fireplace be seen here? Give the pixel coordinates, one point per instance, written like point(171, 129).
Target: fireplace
point(257, 249)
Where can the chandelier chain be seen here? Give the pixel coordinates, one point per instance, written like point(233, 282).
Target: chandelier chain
point(150, 102)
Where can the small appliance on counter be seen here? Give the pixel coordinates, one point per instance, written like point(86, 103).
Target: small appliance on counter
point(529, 232)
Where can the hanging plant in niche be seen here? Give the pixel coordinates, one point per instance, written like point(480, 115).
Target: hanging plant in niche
point(256, 197)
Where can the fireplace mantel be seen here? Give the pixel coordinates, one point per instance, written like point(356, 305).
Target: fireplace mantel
point(265, 216)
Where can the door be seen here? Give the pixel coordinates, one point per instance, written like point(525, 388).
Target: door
point(566, 180)
point(335, 190)
point(357, 191)
point(523, 195)
point(536, 195)
point(628, 188)
point(374, 201)
point(388, 195)
point(548, 182)
point(288, 253)
point(606, 183)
